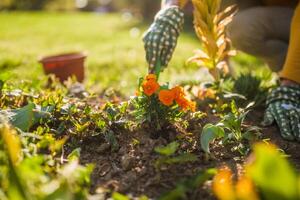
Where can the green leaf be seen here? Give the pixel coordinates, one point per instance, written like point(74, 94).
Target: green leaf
point(75, 154)
point(210, 132)
point(23, 118)
point(118, 196)
point(168, 150)
point(273, 174)
point(183, 158)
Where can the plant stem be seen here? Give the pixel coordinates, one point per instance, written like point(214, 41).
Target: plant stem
point(157, 68)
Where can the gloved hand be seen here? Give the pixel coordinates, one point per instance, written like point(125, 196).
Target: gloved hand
point(161, 38)
point(284, 108)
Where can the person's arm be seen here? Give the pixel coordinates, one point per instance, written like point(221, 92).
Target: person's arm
point(291, 69)
point(283, 103)
point(161, 38)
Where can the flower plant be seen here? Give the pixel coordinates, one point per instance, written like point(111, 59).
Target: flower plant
point(158, 105)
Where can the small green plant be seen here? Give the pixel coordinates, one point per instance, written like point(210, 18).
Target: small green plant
point(168, 157)
point(250, 86)
point(231, 128)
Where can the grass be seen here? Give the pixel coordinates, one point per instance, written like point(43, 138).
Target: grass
point(113, 43)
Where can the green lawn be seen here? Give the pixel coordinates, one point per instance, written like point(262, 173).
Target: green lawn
point(114, 47)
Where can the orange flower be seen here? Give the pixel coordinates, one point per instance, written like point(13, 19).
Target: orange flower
point(245, 189)
point(178, 92)
point(166, 97)
point(183, 102)
point(150, 87)
point(151, 77)
point(206, 93)
point(222, 185)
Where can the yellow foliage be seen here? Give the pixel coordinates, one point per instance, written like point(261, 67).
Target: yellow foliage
point(210, 26)
point(12, 143)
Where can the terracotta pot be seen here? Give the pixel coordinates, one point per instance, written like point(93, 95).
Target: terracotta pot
point(65, 65)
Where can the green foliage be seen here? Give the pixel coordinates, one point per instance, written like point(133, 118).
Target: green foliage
point(24, 118)
point(47, 120)
point(168, 157)
point(118, 196)
point(209, 133)
point(251, 87)
point(34, 176)
point(168, 150)
point(273, 174)
point(231, 128)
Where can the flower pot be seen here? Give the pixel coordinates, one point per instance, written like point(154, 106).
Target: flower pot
point(65, 65)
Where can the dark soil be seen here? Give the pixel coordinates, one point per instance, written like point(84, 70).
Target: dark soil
point(131, 169)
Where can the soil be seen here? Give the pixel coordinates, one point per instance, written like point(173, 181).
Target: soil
point(131, 169)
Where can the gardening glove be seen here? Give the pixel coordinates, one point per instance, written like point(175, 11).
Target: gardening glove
point(161, 38)
point(284, 108)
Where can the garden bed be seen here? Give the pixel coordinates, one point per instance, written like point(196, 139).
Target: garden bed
point(131, 168)
point(128, 158)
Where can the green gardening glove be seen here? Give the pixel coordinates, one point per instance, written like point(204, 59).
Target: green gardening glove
point(161, 38)
point(284, 108)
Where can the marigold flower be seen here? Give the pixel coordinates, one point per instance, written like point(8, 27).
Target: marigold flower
point(150, 87)
point(178, 92)
point(183, 102)
point(166, 97)
point(151, 77)
point(245, 189)
point(222, 185)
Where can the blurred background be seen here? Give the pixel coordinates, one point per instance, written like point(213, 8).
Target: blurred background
point(109, 31)
point(145, 8)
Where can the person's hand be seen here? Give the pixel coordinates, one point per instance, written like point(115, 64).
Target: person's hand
point(161, 38)
point(283, 106)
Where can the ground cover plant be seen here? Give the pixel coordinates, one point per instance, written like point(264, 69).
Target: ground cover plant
point(176, 140)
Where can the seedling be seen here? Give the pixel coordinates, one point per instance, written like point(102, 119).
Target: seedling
point(168, 157)
point(230, 129)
